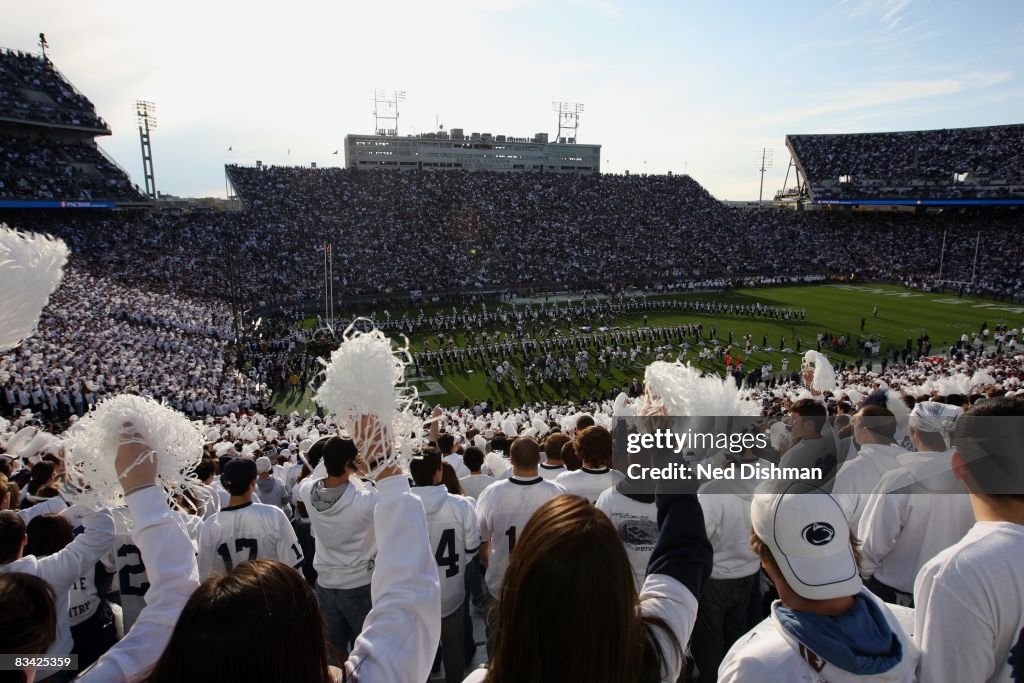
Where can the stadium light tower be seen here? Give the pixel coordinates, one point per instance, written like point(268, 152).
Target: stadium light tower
point(766, 157)
point(385, 111)
point(145, 115)
point(568, 119)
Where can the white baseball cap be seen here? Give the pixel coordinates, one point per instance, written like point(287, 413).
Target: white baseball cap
point(809, 537)
point(263, 464)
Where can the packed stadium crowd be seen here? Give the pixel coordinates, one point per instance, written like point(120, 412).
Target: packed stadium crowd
point(983, 163)
point(38, 168)
point(389, 232)
point(53, 100)
point(398, 574)
point(512, 543)
point(99, 338)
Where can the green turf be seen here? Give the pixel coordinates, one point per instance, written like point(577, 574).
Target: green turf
point(834, 308)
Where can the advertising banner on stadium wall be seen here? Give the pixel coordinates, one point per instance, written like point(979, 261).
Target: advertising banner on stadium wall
point(40, 204)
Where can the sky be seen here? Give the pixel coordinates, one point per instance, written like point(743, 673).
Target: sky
point(682, 86)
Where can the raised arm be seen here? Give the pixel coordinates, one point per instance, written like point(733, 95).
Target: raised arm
point(170, 565)
point(401, 632)
point(680, 565)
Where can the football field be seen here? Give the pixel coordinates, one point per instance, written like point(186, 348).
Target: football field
point(835, 309)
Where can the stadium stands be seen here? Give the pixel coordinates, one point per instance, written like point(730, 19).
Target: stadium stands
point(48, 150)
point(476, 232)
point(33, 91)
point(951, 164)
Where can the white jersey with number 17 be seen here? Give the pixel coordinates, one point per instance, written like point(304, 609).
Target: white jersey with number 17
point(504, 508)
point(251, 531)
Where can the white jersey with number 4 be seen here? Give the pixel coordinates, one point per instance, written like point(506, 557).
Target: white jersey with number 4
point(454, 539)
point(504, 508)
point(251, 531)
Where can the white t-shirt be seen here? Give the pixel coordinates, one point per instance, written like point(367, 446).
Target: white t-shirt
point(637, 524)
point(726, 507)
point(251, 531)
point(969, 604)
point(454, 540)
point(474, 484)
point(455, 460)
point(503, 510)
point(550, 472)
point(588, 483)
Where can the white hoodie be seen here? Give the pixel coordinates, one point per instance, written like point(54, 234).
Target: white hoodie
point(770, 653)
point(345, 543)
point(857, 478)
point(924, 511)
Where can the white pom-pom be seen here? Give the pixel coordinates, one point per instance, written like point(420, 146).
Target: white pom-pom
point(622, 407)
point(824, 374)
point(779, 437)
point(21, 440)
point(981, 378)
point(31, 268)
point(682, 391)
point(497, 463)
point(540, 427)
point(509, 427)
point(365, 377)
point(92, 446)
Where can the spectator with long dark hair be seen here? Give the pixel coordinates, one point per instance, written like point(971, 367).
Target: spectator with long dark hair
point(616, 634)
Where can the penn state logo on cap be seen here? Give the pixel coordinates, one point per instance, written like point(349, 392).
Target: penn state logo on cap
point(819, 533)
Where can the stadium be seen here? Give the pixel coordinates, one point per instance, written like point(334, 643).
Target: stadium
point(488, 290)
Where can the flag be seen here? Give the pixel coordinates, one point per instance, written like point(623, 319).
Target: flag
point(335, 152)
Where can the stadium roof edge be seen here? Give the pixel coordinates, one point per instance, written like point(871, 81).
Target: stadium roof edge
point(912, 130)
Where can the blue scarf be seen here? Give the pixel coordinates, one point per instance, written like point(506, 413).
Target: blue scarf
point(859, 641)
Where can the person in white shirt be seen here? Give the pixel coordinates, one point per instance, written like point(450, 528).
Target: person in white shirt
point(473, 486)
point(874, 428)
point(341, 509)
point(244, 530)
point(918, 509)
point(723, 613)
point(617, 635)
point(270, 488)
point(455, 538)
point(969, 617)
point(162, 543)
point(400, 634)
point(594, 446)
point(815, 445)
point(61, 569)
point(825, 626)
point(446, 444)
point(207, 498)
point(504, 508)
point(636, 520)
point(475, 482)
point(553, 465)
